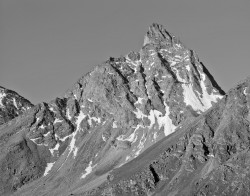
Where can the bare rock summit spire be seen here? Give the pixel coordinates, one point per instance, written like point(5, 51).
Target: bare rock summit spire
point(109, 118)
point(157, 34)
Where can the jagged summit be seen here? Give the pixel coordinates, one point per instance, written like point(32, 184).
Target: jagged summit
point(109, 117)
point(157, 34)
point(11, 105)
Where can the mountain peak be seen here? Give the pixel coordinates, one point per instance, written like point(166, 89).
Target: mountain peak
point(157, 34)
point(11, 105)
point(111, 116)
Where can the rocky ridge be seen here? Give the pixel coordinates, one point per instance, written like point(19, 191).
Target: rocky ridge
point(207, 156)
point(108, 118)
point(11, 105)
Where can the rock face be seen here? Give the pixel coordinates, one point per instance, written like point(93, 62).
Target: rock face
point(112, 115)
point(11, 105)
point(207, 156)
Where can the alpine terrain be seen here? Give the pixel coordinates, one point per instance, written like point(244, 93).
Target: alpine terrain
point(11, 105)
point(153, 122)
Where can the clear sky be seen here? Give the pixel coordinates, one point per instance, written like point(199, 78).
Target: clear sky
point(46, 45)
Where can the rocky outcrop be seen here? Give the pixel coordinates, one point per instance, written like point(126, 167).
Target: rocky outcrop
point(109, 117)
point(11, 105)
point(207, 156)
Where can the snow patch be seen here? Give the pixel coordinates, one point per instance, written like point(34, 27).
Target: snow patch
point(42, 126)
point(172, 63)
point(191, 99)
point(151, 117)
point(37, 120)
point(134, 63)
point(139, 113)
point(206, 98)
point(127, 158)
point(179, 77)
point(163, 121)
point(155, 115)
point(68, 114)
point(201, 102)
point(34, 141)
point(46, 134)
point(52, 109)
point(169, 127)
point(98, 120)
point(245, 91)
point(178, 45)
point(141, 144)
point(90, 100)
point(114, 124)
point(15, 103)
point(72, 147)
point(139, 100)
point(155, 135)
point(132, 137)
point(88, 170)
point(54, 149)
point(62, 139)
point(28, 107)
point(48, 168)
point(2, 95)
point(57, 120)
point(103, 138)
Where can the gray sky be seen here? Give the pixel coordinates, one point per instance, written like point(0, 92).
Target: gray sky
point(46, 45)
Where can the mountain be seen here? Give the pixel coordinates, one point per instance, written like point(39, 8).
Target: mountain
point(209, 155)
point(11, 105)
point(107, 121)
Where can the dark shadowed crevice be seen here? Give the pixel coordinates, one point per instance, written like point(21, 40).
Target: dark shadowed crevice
point(158, 89)
point(142, 71)
point(192, 60)
point(214, 83)
point(155, 175)
point(165, 63)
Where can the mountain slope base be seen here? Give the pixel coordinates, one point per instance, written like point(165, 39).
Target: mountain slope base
point(209, 156)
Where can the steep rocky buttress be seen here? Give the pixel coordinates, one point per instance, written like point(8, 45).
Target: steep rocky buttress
point(11, 105)
point(207, 156)
point(108, 119)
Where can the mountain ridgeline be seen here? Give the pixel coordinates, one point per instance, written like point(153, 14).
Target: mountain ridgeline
point(11, 105)
point(152, 122)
